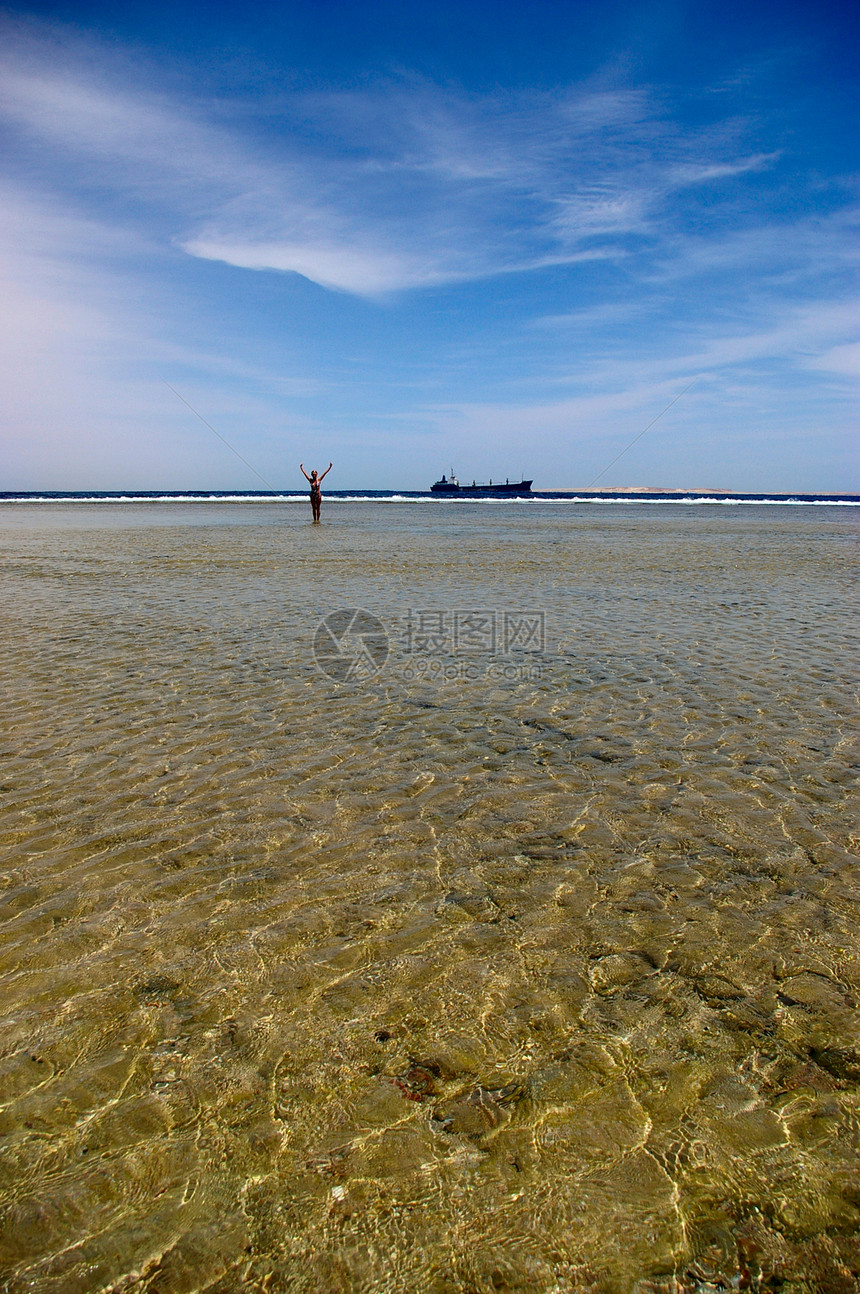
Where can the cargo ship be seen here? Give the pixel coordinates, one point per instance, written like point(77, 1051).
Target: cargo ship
point(510, 489)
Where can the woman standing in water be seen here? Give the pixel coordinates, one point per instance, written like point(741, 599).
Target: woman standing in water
point(316, 493)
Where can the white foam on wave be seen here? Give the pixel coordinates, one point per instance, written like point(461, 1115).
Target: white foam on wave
point(530, 500)
point(602, 500)
point(160, 498)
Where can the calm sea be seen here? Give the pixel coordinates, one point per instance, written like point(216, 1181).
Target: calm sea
point(453, 898)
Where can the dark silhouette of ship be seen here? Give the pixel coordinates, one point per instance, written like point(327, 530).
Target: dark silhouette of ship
point(510, 489)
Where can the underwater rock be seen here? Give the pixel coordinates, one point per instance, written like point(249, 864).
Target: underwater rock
point(420, 1079)
point(479, 1112)
point(480, 907)
point(617, 970)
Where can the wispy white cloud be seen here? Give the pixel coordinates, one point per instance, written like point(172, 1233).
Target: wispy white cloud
point(118, 192)
point(843, 360)
point(702, 174)
point(361, 270)
point(804, 338)
point(804, 332)
point(404, 185)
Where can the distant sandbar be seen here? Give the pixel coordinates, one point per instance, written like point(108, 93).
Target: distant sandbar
point(624, 489)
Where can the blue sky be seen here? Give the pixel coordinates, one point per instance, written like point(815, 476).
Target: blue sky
point(498, 237)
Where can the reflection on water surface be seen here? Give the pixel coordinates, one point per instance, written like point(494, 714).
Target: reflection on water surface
point(535, 979)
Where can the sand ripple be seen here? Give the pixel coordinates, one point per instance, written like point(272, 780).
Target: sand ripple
point(543, 980)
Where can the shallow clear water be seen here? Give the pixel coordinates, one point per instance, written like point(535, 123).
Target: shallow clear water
point(499, 969)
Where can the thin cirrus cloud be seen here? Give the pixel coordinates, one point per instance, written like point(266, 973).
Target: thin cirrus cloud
point(703, 174)
point(599, 246)
point(411, 186)
point(806, 336)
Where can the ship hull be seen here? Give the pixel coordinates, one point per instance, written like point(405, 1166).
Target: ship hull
point(509, 490)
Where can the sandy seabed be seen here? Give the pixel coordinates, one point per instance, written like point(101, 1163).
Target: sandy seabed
point(521, 956)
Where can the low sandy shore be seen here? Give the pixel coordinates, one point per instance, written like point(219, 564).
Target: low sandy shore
point(625, 489)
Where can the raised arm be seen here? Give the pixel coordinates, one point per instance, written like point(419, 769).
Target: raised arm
point(304, 473)
point(326, 472)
